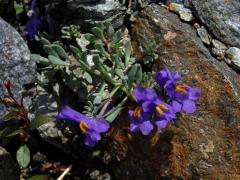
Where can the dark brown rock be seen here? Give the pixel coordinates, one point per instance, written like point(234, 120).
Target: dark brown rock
point(206, 144)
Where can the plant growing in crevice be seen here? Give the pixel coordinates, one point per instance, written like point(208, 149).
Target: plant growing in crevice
point(17, 123)
point(149, 49)
point(111, 76)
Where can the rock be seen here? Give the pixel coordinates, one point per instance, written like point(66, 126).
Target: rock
point(184, 13)
point(233, 54)
point(203, 34)
point(204, 145)
point(15, 63)
point(97, 175)
point(221, 18)
point(218, 49)
point(9, 170)
point(85, 14)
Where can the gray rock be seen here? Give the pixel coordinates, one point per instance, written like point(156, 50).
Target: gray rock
point(9, 170)
point(98, 175)
point(221, 18)
point(218, 49)
point(15, 63)
point(233, 54)
point(66, 12)
point(203, 34)
point(186, 14)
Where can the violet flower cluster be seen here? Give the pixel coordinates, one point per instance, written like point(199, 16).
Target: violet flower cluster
point(151, 107)
point(89, 126)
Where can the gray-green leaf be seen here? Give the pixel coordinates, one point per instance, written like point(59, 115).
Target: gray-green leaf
point(88, 77)
point(56, 61)
point(138, 76)
point(39, 121)
point(61, 52)
point(98, 32)
point(23, 156)
point(39, 59)
point(127, 52)
point(132, 74)
point(49, 50)
point(90, 37)
point(117, 37)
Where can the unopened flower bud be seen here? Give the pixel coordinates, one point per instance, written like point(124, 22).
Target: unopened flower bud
point(7, 84)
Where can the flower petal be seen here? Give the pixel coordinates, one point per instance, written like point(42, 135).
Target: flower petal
point(100, 125)
point(68, 113)
point(134, 127)
point(176, 106)
point(91, 138)
point(189, 106)
point(89, 141)
point(146, 127)
point(194, 93)
point(161, 124)
point(143, 94)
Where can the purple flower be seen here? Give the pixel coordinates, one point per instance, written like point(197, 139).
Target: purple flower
point(143, 94)
point(35, 22)
point(140, 117)
point(184, 98)
point(88, 125)
point(167, 79)
point(140, 120)
point(164, 113)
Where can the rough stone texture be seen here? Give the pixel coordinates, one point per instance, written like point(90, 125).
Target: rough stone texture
point(221, 17)
point(66, 12)
point(9, 170)
point(15, 63)
point(206, 144)
point(233, 54)
point(218, 49)
point(203, 34)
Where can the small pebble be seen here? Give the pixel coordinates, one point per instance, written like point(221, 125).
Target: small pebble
point(218, 49)
point(203, 34)
point(233, 54)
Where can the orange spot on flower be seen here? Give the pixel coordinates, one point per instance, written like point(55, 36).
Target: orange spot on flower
point(137, 112)
point(160, 108)
point(83, 126)
point(181, 88)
